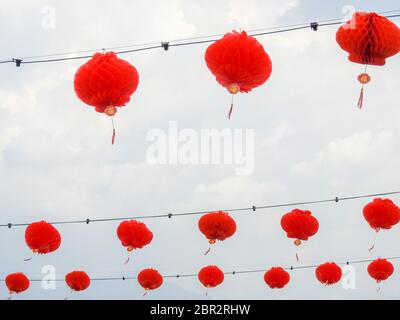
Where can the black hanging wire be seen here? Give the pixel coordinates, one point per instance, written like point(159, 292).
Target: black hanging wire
point(196, 213)
point(180, 42)
point(233, 273)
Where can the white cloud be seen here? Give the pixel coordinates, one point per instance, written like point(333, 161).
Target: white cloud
point(360, 149)
point(253, 14)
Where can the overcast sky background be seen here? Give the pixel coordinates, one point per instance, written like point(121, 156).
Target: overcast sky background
point(56, 161)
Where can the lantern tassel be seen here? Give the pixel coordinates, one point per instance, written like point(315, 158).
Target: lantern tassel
point(28, 259)
point(297, 243)
point(145, 293)
point(231, 109)
point(361, 98)
point(373, 244)
point(363, 78)
point(70, 293)
point(127, 260)
point(113, 132)
point(208, 251)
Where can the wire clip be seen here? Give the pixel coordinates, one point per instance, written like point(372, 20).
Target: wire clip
point(165, 45)
point(17, 62)
point(314, 26)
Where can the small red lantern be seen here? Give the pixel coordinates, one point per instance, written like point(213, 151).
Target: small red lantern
point(106, 82)
point(299, 225)
point(277, 278)
point(42, 237)
point(211, 276)
point(381, 214)
point(380, 269)
point(239, 63)
point(217, 226)
point(369, 39)
point(17, 283)
point(77, 280)
point(134, 235)
point(150, 279)
point(328, 273)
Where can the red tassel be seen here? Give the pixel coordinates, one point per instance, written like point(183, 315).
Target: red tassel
point(361, 99)
point(230, 111)
point(113, 134)
point(113, 137)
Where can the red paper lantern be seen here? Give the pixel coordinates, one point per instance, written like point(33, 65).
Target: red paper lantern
point(17, 283)
point(369, 39)
point(328, 273)
point(217, 226)
point(211, 276)
point(380, 269)
point(106, 82)
point(276, 278)
point(239, 63)
point(77, 280)
point(381, 214)
point(299, 225)
point(42, 237)
point(134, 234)
point(150, 279)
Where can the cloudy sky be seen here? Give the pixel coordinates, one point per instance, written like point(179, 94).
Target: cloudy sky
point(311, 142)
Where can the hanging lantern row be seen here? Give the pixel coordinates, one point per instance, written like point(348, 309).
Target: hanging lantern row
point(381, 214)
point(211, 277)
point(238, 62)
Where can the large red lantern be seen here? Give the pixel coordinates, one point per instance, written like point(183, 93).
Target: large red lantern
point(381, 214)
point(150, 279)
point(211, 276)
point(42, 237)
point(239, 63)
point(17, 283)
point(369, 39)
point(217, 226)
point(380, 269)
point(328, 273)
point(106, 82)
point(134, 235)
point(300, 225)
point(77, 280)
point(277, 278)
